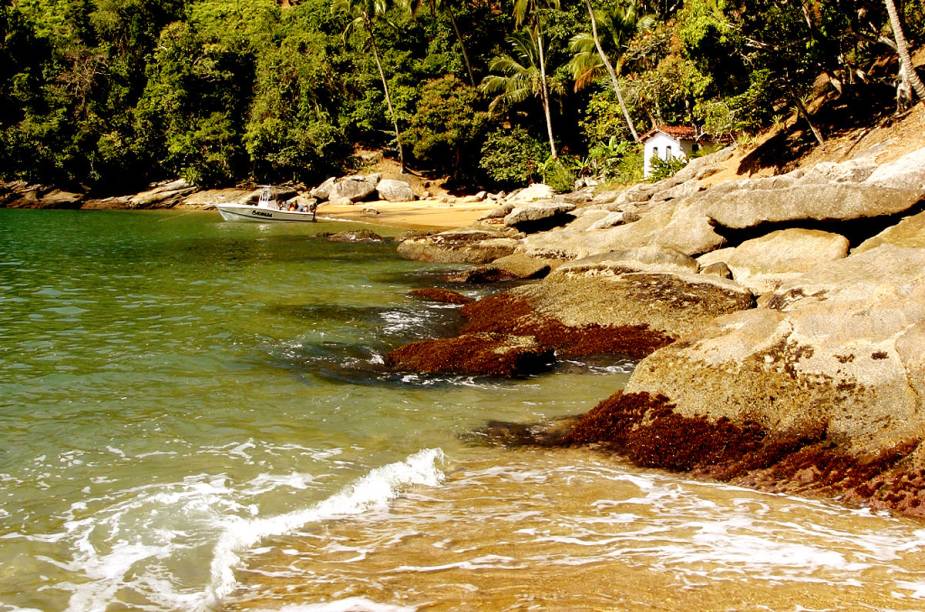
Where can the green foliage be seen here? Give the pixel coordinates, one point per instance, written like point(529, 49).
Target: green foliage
point(110, 94)
point(559, 173)
point(718, 119)
point(663, 168)
point(617, 161)
point(603, 119)
point(290, 133)
point(446, 131)
point(512, 157)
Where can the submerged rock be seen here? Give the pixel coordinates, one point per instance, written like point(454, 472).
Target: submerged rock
point(363, 235)
point(475, 354)
point(443, 296)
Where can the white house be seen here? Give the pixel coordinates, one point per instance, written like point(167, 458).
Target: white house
point(665, 142)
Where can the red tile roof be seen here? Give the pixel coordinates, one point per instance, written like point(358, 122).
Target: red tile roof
point(681, 132)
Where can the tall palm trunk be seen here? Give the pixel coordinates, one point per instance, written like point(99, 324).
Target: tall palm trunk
point(903, 49)
point(544, 90)
point(611, 72)
point(462, 46)
point(385, 88)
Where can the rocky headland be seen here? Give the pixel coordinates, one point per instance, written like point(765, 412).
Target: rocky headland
point(779, 321)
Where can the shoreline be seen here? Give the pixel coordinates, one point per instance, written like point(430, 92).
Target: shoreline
point(423, 214)
point(420, 214)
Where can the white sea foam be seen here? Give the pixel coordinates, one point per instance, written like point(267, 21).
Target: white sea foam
point(132, 541)
point(375, 490)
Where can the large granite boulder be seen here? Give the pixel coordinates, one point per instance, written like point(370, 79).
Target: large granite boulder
point(909, 232)
point(355, 188)
point(752, 206)
point(394, 191)
point(458, 246)
point(534, 193)
point(763, 263)
point(539, 215)
point(323, 191)
point(831, 366)
point(907, 172)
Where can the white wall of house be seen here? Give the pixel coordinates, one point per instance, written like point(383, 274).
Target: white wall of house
point(664, 146)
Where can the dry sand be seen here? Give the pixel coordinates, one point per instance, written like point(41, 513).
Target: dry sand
point(420, 214)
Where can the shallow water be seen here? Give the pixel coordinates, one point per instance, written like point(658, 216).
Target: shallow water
point(194, 414)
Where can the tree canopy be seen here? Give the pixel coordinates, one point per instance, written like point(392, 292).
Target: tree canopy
point(108, 95)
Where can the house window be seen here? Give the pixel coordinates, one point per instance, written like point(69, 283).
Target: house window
point(668, 154)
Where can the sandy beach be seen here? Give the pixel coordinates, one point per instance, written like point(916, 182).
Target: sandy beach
point(420, 214)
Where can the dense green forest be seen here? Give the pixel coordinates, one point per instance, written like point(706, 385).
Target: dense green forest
point(108, 95)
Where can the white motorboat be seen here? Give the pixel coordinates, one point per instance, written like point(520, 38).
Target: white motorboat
point(266, 210)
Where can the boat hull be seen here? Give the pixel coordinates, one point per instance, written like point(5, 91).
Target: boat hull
point(254, 214)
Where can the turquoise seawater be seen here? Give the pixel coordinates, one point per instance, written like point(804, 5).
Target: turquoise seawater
point(194, 414)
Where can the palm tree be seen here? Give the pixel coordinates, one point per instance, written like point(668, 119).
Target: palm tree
point(905, 60)
point(619, 24)
point(446, 6)
point(520, 76)
point(530, 11)
point(363, 14)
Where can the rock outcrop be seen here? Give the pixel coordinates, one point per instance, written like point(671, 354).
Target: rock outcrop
point(19, 194)
point(762, 264)
point(458, 246)
point(832, 361)
point(162, 195)
point(677, 214)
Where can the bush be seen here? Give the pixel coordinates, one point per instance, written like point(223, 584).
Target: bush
point(446, 130)
point(603, 118)
point(559, 173)
point(511, 157)
point(663, 168)
point(616, 161)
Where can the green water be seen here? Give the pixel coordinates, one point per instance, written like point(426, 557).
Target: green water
point(162, 372)
point(195, 415)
